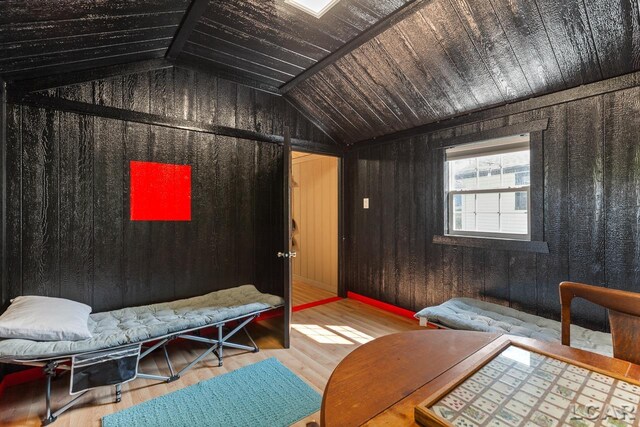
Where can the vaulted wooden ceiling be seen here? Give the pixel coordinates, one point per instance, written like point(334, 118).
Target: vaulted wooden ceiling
point(261, 42)
point(40, 37)
point(456, 56)
point(366, 68)
point(272, 41)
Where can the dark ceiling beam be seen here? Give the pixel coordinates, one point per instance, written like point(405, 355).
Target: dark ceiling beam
point(84, 108)
point(23, 87)
point(378, 28)
point(192, 16)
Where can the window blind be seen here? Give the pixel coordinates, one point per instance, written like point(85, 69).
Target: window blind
point(491, 147)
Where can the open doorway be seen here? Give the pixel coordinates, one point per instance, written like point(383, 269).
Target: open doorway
point(314, 210)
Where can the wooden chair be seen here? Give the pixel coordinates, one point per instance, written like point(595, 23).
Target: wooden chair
point(624, 316)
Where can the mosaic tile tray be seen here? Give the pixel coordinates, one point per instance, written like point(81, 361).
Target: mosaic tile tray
point(523, 388)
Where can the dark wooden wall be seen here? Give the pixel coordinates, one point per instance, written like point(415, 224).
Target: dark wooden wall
point(68, 191)
point(591, 155)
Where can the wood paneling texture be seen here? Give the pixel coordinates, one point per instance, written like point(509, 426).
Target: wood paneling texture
point(456, 56)
point(591, 210)
point(69, 232)
point(315, 211)
point(271, 42)
point(201, 97)
point(38, 37)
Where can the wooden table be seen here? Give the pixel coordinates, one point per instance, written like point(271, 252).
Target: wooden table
point(381, 382)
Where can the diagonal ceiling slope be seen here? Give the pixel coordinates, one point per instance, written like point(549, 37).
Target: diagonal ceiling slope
point(436, 59)
point(271, 42)
point(41, 37)
point(456, 56)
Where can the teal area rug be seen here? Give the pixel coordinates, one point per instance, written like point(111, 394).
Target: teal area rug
point(263, 394)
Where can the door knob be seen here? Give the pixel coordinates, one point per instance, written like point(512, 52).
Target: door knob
point(287, 254)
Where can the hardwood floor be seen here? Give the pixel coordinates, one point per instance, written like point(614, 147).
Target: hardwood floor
point(321, 337)
point(304, 293)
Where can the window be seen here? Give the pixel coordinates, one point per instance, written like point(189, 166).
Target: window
point(487, 188)
point(316, 8)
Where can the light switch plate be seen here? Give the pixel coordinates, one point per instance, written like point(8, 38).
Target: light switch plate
point(365, 203)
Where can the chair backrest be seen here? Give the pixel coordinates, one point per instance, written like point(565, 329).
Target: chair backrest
point(624, 316)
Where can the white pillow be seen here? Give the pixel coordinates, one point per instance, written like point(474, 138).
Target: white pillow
point(45, 319)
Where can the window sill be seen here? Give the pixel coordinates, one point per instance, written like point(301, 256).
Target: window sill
point(490, 243)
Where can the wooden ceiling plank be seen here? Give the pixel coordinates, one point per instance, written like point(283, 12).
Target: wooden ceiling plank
point(567, 24)
point(354, 13)
point(488, 37)
point(334, 130)
point(339, 84)
point(388, 85)
point(192, 15)
point(443, 21)
point(328, 101)
point(53, 59)
point(429, 55)
point(417, 71)
point(382, 8)
point(296, 111)
point(415, 85)
point(15, 11)
point(51, 30)
point(227, 47)
point(333, 93)
point(258, 71)
point(525, 30)
point(382, 25)
point(326, 32)
point(289, 22)
point(262, 30)
point(334, 24)
point(315, 97)
point(504, 110)
point(251, 41)
point(43, 48)
point(615, 25)
point(352, 72)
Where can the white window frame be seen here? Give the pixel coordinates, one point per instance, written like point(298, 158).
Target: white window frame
point(477, 149)
point(490, 234)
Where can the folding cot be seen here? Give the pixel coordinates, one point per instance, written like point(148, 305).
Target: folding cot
point(121, 338)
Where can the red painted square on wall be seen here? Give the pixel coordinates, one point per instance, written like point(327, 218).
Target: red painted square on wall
point(160, 191)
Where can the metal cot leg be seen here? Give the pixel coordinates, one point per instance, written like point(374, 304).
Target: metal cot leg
point(220, 345)
point(50, 417)
point(173, 376)
point(225, 340)
point(253, 343)
point(49, 371)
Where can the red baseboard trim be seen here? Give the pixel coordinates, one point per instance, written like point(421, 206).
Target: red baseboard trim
point(315, 303)
point(21, 377)
point(279, 312)
point(270, 314)
point(382, 305)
